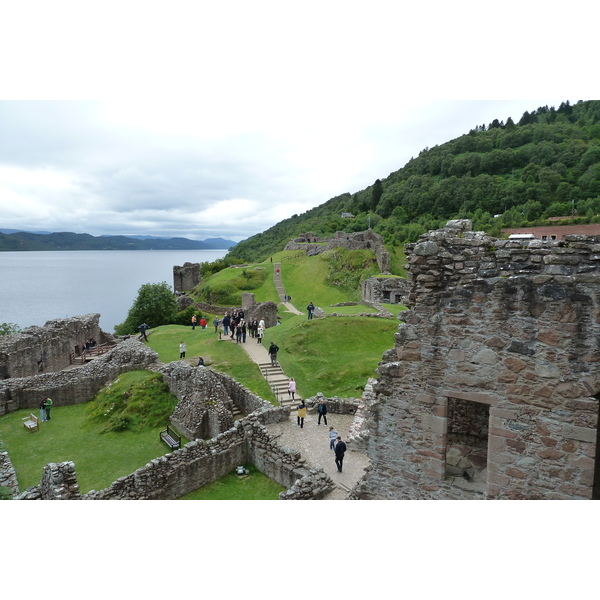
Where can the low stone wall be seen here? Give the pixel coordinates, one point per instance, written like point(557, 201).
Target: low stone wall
point(197, 464)
point(8, 477)
point(79, 384)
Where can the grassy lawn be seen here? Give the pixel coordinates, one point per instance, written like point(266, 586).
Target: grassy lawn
point(221, 355)
point(99, 458)
point(334, 356)
point(255, 486)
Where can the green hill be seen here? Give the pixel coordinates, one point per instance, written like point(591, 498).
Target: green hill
point(500, 175)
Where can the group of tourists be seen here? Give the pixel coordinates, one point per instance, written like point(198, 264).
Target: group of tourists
point(203, 322)
point(238, 328)
point(335, 440)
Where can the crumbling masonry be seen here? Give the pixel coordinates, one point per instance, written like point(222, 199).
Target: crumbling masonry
point(492, 388)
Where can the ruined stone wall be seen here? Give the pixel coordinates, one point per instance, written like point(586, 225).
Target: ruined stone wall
point(389, 290)
point(8, 476)
point(47, 349)
point(512, 331)
point(201, 462)
point(206, 400)
point(186, 278)
point(261, 310)
point(77, 385)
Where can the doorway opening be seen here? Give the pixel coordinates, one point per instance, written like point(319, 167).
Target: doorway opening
point(467, 445)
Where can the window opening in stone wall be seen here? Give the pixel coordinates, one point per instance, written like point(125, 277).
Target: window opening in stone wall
point(596, 484)
point(467, 446)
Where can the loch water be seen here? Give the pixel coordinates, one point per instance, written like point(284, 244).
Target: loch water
point(38, 286)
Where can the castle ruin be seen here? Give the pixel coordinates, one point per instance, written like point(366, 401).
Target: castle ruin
point(492, 389)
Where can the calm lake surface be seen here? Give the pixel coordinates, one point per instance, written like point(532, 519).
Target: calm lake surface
point(38, 286)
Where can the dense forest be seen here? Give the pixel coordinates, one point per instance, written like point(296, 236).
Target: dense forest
point(500, 175)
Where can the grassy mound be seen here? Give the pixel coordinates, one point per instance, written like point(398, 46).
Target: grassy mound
point(135, 401)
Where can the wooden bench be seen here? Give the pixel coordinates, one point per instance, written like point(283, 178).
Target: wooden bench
point(31, 422)
point(169, 437)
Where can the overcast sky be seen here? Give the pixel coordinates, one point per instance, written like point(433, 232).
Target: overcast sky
point(221, 122)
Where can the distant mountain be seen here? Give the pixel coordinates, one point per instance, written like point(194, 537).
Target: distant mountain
point(21, 231)
point(26, 241)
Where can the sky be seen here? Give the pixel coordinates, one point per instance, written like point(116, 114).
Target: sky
point(207, 121)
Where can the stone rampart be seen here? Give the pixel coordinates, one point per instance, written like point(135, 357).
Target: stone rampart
point(492, 388)
point(47, 349)
point(79, 384)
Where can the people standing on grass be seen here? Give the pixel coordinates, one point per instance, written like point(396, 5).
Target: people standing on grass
point(182, 349)
point(333, 434)
point(301, 414)
point(43, 409)
point(194, 322)
point(216, 324)
point(291, 387)
point(203, 323)
point(48, 407)
point(322, 410)
point(310, 308)
point(340, 450)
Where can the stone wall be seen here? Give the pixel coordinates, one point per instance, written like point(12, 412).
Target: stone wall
point(360, 240)
point(389, 290)
point(186, 278)
point(261, 310)
point(206, 400)
point(509, 335)
point(77, 385)
point(8, 476)
point(47, 349)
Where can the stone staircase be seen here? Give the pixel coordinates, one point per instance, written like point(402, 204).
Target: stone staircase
point(278, 382)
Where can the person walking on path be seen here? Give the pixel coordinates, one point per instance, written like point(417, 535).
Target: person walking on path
point(333, 435)
point(340, 450)
point(259, 334)
point(322, 410)
point(43, 409)
point(273, 350)
point(310, 308)
point(301, 414)
point(291, 387)
point(226, 322)
point(182, 349)
point(48, 407)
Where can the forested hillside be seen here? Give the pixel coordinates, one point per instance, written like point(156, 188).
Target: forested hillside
point(501, 175)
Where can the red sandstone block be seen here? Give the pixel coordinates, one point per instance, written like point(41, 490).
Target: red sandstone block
point(550, 454)
point(514, 364)
point(501, 432)
point(549, 337)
